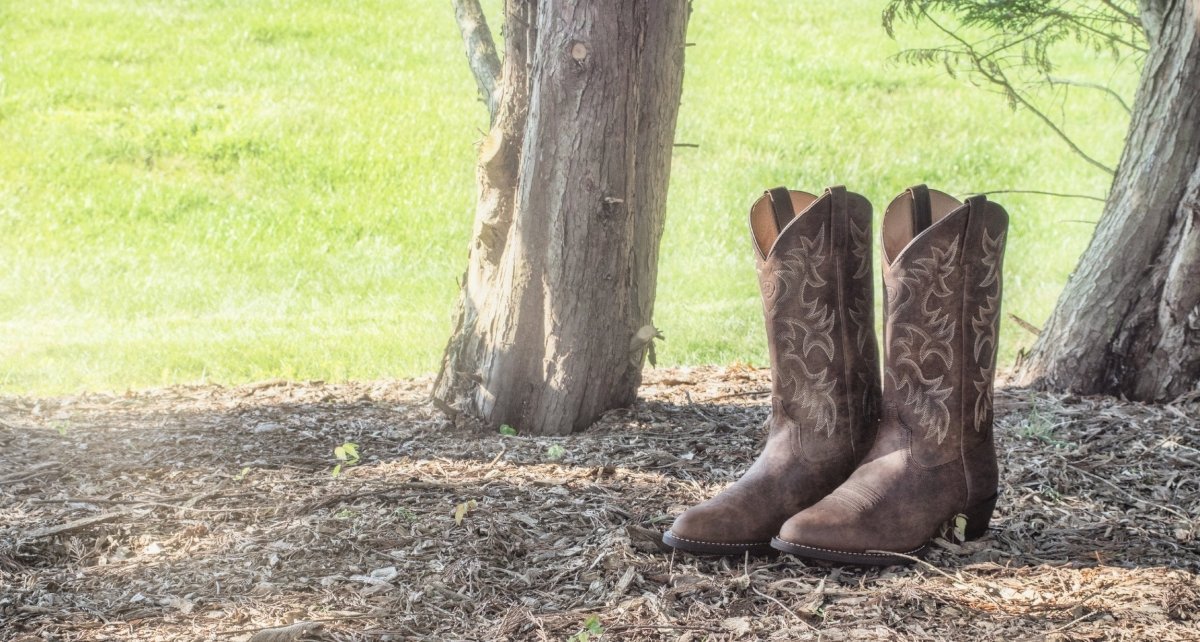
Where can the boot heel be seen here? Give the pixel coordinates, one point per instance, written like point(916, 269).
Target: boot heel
point(979, 516)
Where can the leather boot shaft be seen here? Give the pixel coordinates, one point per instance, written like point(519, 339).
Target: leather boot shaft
point(941, 321)
point(813, 257)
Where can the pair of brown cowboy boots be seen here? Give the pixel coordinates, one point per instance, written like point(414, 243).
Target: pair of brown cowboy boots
point(851, 472)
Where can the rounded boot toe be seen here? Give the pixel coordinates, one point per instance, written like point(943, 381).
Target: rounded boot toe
point(814, 528)
point(714, 530)
point(829, 535)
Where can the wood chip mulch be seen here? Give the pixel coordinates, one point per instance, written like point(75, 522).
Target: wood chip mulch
point(211, 513)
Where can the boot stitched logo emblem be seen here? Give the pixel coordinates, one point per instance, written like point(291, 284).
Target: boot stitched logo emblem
point(918, 346)
point(806, 348)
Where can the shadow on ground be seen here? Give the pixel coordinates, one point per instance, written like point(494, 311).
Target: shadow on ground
point(209, 513)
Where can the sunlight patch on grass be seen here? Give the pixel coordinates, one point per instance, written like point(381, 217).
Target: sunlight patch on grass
point(225, 191)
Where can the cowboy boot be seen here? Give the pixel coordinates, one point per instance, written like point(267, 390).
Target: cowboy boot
point(814, 271)
point(934, 460)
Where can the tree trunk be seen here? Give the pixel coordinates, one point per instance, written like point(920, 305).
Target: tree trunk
point(572, 194)
point(1128, 322)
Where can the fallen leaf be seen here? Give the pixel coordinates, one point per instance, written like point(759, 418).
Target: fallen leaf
point(461, 510)
point(738, 626)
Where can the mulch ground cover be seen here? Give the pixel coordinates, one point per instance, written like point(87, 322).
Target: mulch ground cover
point(212, 513)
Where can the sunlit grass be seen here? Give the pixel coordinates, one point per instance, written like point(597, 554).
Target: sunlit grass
point(231, 191)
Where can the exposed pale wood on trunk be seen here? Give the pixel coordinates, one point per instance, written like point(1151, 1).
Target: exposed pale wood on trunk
point(1129, 320)
point(572, 184)
point(496, 180)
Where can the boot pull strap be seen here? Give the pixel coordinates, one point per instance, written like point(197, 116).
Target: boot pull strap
point(781, 204)
point(839, 214)
point(837, 196)
point(922, 209)
point(976, 202)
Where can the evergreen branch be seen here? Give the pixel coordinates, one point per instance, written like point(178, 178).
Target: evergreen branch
point(1129, 17)
point(993, 73)
point(1091, 85)
point(1105, 36)
point(1044, 193)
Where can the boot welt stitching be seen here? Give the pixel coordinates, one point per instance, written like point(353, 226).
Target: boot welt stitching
point(830, 550)
point(698, 541)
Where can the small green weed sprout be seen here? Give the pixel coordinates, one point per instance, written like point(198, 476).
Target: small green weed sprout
point(347, 455)
point(591, 629)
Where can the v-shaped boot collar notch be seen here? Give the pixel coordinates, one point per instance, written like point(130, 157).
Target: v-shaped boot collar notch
point(790, 206)
point(916, 213)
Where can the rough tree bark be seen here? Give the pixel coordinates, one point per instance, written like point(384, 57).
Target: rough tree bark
point(572, 182)
point(1129, 320)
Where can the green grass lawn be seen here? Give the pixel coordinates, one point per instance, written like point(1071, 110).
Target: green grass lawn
point(228, 191)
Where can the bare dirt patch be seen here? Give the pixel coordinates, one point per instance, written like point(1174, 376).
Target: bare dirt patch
point(210, 513)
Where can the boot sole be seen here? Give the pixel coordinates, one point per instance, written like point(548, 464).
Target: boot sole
point(698, 547)
point(871, 558)
point(978, 519)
